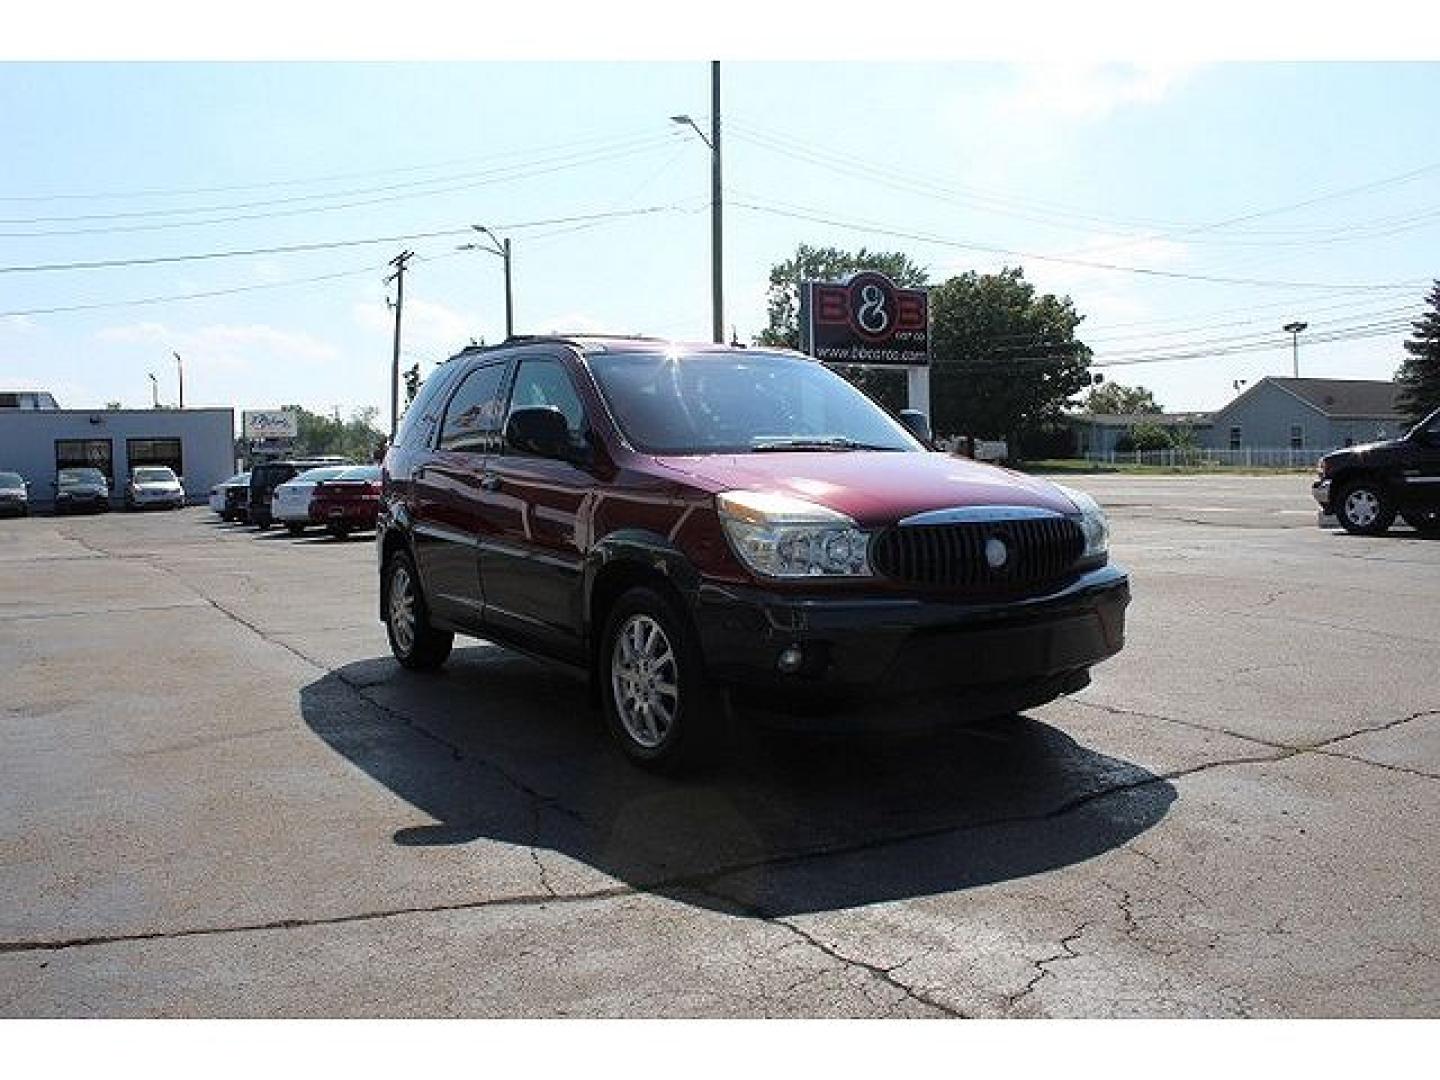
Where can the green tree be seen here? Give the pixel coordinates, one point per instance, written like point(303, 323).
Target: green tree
point(1419, 374)
point(355, 438)
point(1119, 399)
point(834, 264)
point(1004, 359)
point(1144, 436)
point(411, 375)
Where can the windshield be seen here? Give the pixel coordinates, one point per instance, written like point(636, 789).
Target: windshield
point(154, 476)
point(711, 403)
point(81, 476)
point(361, 472)
point(10, 480)
point(1430, 424)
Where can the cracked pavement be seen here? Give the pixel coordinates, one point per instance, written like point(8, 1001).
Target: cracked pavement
point(219, 797)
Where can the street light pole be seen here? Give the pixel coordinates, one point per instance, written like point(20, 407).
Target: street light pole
point(154, 390)
point(180, 367)
point(1293, 329)
point(502, 249)
point(717, 233)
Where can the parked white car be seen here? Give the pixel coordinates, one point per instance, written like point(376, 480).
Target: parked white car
point(154, 485)
point(290, 505)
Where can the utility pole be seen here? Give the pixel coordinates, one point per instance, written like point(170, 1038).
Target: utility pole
point(717, 287)
point(180, 367)
point(398, 277)
point(154, 390)
point(1293, 329)
point(717, 238)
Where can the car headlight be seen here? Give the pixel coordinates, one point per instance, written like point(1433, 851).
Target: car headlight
point(779, 536)
point(1092, 522)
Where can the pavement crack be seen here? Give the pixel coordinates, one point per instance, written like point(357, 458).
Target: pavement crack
point(1042, 966)
point(883, 974)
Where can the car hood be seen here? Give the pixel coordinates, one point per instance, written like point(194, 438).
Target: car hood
point(1365, 449)
point(158, 486)
point(873, 487)
point(82, 489)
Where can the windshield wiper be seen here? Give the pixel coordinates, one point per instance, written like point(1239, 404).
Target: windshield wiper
point(813, 442)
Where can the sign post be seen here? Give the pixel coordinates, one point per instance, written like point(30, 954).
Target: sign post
point(867, 321)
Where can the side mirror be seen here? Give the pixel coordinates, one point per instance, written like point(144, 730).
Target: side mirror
point(542, 432)
point(917, 423)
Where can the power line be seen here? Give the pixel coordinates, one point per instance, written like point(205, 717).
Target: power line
point(301, 181)
point(285, 249)
point(470, 182)
point(988, 249)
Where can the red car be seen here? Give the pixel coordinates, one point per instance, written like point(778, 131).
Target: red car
point(347, 502)
point(673, 521)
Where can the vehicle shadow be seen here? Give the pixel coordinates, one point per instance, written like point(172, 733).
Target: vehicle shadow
point(501, 748)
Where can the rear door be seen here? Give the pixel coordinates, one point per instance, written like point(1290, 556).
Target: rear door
point(445, 493)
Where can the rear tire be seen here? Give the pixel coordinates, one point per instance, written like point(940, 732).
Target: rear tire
point(294, 528)
point(413, 641)
point(1363, 508)
point(339, 532)
point(660, 708)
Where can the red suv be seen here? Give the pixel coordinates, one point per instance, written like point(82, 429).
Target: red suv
point(669, 520)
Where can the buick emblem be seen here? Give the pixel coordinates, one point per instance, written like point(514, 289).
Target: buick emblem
point(995, 552)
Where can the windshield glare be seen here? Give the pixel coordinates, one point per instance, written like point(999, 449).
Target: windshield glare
point(81, 476)
point(710, 403)
point(154, 476)
point(9, 480)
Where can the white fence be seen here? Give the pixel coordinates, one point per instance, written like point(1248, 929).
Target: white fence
point(1199, 456)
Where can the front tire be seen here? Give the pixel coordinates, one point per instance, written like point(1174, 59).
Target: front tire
point(414, 642)
point(659, 707)
point(1363, 508)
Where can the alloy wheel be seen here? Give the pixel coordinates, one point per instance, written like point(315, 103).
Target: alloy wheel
point(644, 678)
point(402, 609)
point(1362, 507)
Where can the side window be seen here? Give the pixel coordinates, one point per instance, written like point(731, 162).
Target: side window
point(1235, 438)
point(545, 382)
point(472, 418)
point(418, 421)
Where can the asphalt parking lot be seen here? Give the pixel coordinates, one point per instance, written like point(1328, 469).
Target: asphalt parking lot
point(219, 796)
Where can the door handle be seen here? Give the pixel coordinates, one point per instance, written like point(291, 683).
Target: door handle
point(490, 482)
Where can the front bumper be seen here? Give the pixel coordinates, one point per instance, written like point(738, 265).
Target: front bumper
point(989, 656)
point(1321, 491)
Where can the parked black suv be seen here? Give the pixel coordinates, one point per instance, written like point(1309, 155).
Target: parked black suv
point(1366, 486)
point(666, 519)
point(267, 476)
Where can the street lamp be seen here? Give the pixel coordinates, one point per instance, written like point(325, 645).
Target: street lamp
point(1293, 329)
point(502, 249)
point(180, 369)
point(154, 390)
point(717, 288)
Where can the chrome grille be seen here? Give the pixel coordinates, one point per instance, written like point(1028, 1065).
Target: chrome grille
point(1038, 551)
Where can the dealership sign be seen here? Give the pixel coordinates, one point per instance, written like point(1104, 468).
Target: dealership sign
point(270, 424)
point(865, 319)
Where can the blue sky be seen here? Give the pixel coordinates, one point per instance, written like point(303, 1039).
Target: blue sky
point(1141, 167)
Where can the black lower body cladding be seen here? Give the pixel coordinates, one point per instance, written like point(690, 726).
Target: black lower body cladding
point(978, 657)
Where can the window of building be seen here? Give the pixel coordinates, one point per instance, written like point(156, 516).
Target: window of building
point(1297, 437)
point(84, 454)
point(1235, 438)
point(472, 418)
point(167, 452)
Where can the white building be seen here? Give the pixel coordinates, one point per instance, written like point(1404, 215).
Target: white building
point(38, 441)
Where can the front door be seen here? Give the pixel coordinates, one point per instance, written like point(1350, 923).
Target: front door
point(532, 551)
point(446, 487)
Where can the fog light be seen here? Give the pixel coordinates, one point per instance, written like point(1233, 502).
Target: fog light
point(790, 660)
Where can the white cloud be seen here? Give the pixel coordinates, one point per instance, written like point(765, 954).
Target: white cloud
point(225, 346)
point(426, 327)
point(1091, 91)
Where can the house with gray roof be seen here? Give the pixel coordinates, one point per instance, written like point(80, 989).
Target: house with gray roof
point(1309, 415)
